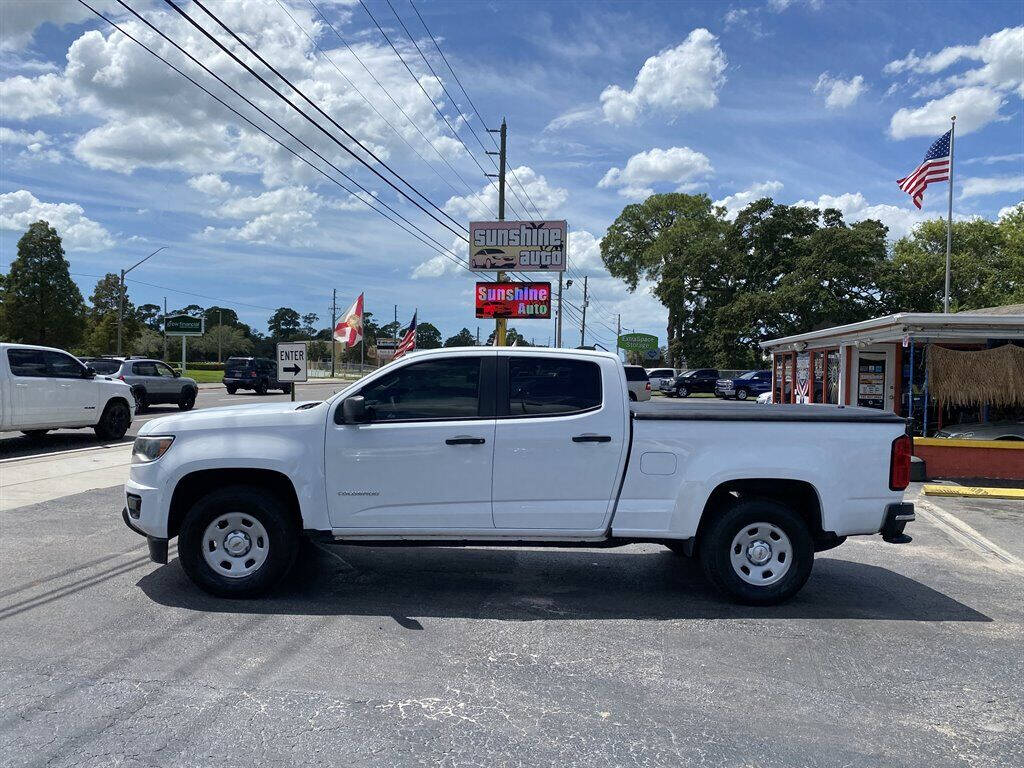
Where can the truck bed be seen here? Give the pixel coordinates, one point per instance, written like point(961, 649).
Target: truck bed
point(695, 411)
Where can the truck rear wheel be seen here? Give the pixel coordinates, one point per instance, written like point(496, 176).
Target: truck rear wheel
point(114, 422)
point(238, 542)
point(757, 552)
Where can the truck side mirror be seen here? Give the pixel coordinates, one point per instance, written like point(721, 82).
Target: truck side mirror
point(89, 372)
point(353, 410)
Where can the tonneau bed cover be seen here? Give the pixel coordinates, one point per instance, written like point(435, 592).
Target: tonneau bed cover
point(695, 411)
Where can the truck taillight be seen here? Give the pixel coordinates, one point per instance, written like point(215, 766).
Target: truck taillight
point(121, 377)
point(899, 463)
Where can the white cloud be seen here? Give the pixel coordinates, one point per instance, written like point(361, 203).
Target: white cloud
point(855, 207)
point(993, 185)
point(976, 95)
point(281, 217)
point(573, 117)
point(992, 159)
point(20, 209)
point(36, 144)
point(839, 93)
point(20, 19)
point(678, 165)
point(737, 201)
point(747, 18)
point(680, 79)
point(482, 205)
point(974, 109)
point(27, 97)
point(440, 266)
point(211, 185)
point(1010, 209)
point(585, 251)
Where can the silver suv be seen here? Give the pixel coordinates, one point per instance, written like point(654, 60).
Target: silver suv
point(152, 381)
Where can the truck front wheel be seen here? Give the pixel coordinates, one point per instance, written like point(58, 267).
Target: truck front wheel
point(238, 542)
point(757, 552)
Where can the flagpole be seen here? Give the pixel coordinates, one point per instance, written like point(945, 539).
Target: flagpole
point(949, 217)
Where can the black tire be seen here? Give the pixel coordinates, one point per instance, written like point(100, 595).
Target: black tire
point(680, 547)
point(272, 513)
point(231, 390)
point(287, 389)
point(35, 434)
point(187, 401)
point(141, 400)
point(715, 555)
point(261, 388)
point(114, 422)
point(682, 392)
point(742, 394)
point(632, 396)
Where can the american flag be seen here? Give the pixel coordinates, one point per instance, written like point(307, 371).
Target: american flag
point(934, 168)
point(408, 342)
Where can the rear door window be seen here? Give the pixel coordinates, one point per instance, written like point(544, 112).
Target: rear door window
point(540, 386)
point(27, 362)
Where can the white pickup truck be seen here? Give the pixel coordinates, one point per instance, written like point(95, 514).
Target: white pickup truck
point(42, 388)
point(516, 446)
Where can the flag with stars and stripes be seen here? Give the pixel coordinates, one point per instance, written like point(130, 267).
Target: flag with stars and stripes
point(408, 342)
point(934, 168)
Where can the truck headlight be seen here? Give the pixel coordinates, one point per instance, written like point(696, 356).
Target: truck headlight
point(147, 449)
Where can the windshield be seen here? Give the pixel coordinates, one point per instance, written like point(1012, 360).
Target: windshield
point(748, 375)
point(104, 367)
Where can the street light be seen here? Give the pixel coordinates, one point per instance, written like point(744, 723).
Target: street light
point(120, 294)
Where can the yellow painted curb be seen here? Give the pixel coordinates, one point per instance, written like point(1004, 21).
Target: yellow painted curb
point(950, 442)
point(973, 492)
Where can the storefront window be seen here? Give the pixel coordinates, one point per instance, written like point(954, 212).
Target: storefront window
point(832, 376)
point(786, 385)
point(819, 376)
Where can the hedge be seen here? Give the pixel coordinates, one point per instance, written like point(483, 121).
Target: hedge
point(196, 366)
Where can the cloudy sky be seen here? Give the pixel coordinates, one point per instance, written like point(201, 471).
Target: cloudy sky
point(805, 101)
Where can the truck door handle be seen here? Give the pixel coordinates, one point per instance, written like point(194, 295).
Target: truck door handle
point(465, 440)
point(592, 438)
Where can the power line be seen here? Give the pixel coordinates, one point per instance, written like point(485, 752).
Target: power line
point(295, 107)
point(436, 245)
point(175, 290)
point(471, 104)
point(427, 95)
point(397, 105)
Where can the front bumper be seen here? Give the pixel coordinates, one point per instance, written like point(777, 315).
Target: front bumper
point(896, 518)
point(157, 547)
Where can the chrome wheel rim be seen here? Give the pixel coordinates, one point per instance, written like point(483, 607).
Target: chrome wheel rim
point(761, 554)
point(235, 545)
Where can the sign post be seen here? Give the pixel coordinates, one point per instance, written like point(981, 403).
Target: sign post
point(291, 363)
point(184, 326)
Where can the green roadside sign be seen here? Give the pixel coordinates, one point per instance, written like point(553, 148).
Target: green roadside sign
point(183, 325)
point(638, 342)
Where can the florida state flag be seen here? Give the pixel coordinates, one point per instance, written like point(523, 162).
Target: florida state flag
point(349, 330)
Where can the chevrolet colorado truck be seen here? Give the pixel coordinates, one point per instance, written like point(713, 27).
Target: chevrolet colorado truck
point(516, 447)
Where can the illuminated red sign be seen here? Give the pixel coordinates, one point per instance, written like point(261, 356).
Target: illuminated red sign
point(515, 301)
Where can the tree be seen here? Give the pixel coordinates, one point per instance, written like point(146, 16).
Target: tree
point(390, 330)
point(101, 328)
point(192, 309)
point(512, 338)
point(42, 304)
point(227, 339)
point(309, 321)
point(283, 324)
point(150, 315)
point(222, 316)
point(427, 336)
point(461, 339)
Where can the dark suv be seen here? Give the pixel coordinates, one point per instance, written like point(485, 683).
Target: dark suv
point(750, 384)
point(697, 380)
point(255, 373)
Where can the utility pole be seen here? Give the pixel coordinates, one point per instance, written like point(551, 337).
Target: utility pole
point(583, 320)
point(163, 329)
point(618, 332)
point(334, 321)
point(120, 294)
point(220, 332)
point(500, 324)
point(949, 217)
point(558, 316)
point(478, 335)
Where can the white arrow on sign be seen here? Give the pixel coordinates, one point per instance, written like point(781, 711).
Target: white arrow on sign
point(291, 361)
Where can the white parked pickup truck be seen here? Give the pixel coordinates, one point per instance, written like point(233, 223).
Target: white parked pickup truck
point(42, 388)
point(516, 446)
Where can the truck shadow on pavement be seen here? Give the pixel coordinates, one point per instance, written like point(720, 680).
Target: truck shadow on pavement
point(533, 585)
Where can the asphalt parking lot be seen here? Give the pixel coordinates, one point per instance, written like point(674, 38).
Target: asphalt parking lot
point(890, 656)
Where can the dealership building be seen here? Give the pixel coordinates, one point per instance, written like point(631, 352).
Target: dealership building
point(938, 370)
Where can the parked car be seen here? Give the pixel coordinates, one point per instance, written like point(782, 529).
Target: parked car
point(690, 382)
point(42, 388)
point(256, 373)
point(659, 376)
point(997, 430)
point(506, 446)
point(749, 384)
point(637, 383)
point(152, 381)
